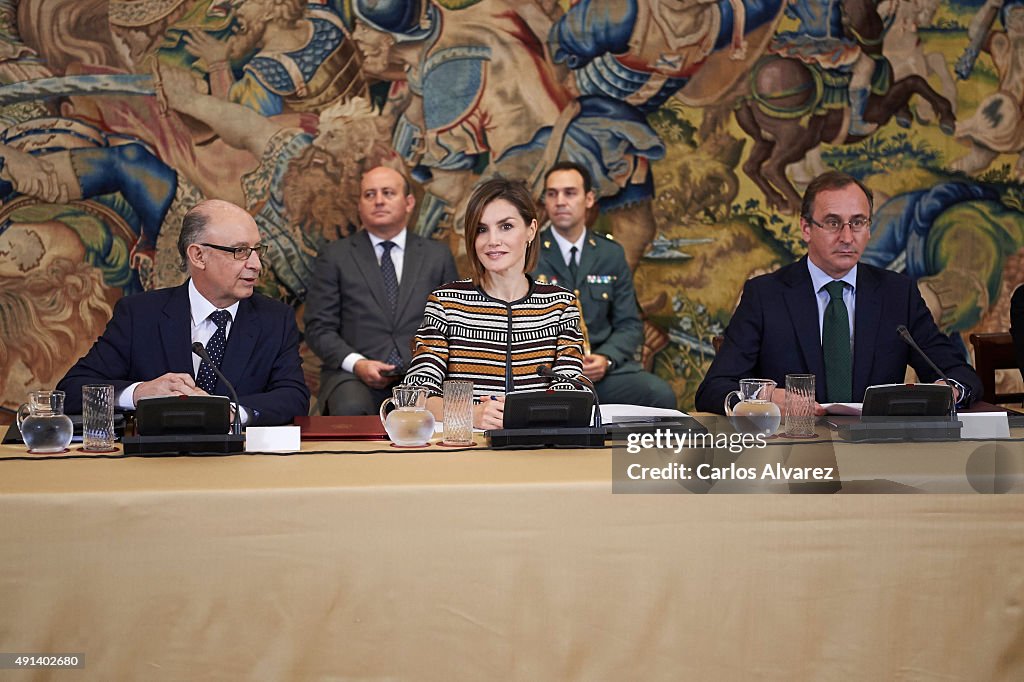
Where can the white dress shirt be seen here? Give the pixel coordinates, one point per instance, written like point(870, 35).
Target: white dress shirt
point(565, 246)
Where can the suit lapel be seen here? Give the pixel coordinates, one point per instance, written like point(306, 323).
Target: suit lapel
point(241, 342)
point(175, 332)
point(366, 261)
point(867, 315)
point(412, 263)
point(803, 311)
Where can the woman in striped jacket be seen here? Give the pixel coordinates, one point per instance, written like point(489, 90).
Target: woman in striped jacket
point(499, 326)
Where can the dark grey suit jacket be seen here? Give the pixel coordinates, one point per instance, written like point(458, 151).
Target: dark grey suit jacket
point(347, 310)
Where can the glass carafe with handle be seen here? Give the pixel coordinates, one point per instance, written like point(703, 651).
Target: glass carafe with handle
point(754, 412)
point(410, 424)
point(44, 426)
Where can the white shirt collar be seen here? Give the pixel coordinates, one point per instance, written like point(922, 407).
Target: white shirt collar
point(565, 246)
point(820, 278)
point(201, 308)
point(398, 240)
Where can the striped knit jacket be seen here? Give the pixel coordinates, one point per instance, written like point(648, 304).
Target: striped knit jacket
point(497, 345)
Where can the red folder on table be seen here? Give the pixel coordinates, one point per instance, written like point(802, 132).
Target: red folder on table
point(341, 428)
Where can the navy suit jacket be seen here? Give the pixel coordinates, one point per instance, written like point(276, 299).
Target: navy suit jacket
point(1017, 324)
point(775, 332)
point(148, 336)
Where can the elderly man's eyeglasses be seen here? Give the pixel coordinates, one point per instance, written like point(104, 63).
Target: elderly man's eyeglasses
point(241, 252)
point(835, 226)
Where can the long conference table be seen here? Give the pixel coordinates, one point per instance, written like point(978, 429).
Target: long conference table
point(362, 561)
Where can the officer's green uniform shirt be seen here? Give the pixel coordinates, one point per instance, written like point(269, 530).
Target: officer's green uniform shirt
point(604, 286)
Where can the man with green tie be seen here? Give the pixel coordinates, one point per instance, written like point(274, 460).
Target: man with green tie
point(594, 268)
point(830, 315)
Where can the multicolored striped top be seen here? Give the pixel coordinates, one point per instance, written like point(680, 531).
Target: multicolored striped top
point(497, 345)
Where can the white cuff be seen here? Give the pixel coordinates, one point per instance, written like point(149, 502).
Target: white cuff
point(349, 363)
point(126, 398)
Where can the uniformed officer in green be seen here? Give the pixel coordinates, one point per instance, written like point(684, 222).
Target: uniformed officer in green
point(594, 268)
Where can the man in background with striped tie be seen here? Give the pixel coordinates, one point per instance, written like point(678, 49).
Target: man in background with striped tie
point(367, 297)
point(829, 315)
point(146, 349)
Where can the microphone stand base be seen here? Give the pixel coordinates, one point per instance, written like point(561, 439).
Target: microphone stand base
point(172, 444)
point(580, 437)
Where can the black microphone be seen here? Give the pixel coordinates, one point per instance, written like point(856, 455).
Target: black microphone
point(905, 335)
point(199, 350)
point(546, 371)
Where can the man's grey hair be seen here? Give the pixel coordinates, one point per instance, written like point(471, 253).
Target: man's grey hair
point(193, 226)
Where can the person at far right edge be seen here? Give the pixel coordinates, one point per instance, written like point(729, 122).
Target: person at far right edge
point(831, 316)
point(595, 269)
point(1017, 325)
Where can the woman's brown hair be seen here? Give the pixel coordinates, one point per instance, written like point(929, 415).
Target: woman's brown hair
point(514, 192)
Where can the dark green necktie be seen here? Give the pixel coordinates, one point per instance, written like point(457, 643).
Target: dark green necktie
point(835, 342)
point(574, 268)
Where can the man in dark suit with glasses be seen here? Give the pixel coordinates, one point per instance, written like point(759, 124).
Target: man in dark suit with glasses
point(830, 315)
point(146, 349)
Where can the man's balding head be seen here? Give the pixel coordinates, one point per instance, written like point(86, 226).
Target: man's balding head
point(385, 202)
point(211, 232)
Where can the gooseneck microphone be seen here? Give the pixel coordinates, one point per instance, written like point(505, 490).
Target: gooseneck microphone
point(905, 335)
point(546, 371)
point(200, 350)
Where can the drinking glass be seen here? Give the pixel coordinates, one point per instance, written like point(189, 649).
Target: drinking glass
point(458, 412)
point(98, 417)
point(799, 405)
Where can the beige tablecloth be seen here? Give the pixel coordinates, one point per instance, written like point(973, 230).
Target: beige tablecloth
point(482, 565)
